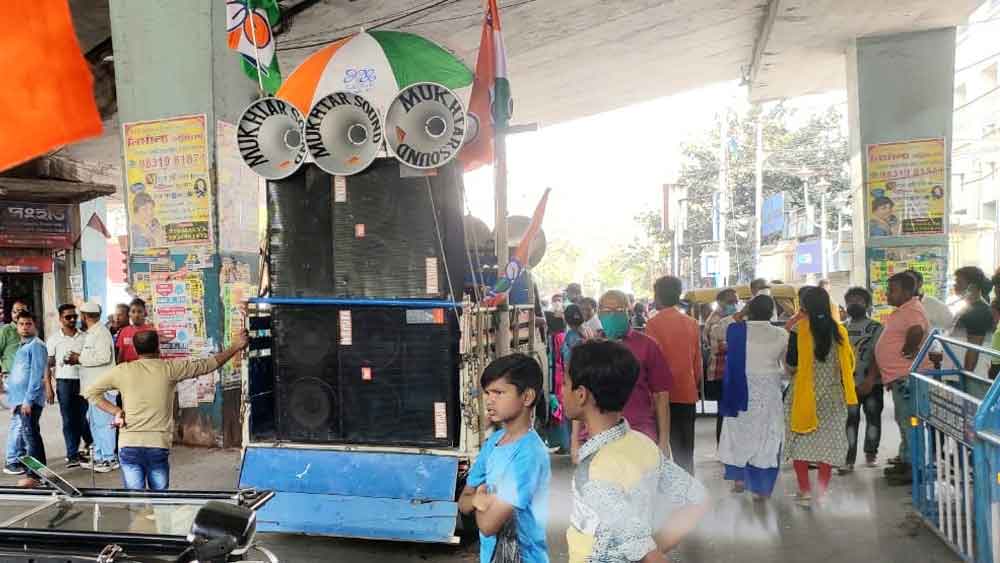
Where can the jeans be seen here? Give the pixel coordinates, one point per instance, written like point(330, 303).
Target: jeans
point(682, 435)
point(872, 404)
point(105, 435)
point(145, 468)
point(25, 436)
point(73, 409)
point(904, 410)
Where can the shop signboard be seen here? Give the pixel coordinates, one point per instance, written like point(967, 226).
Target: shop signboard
point(35, 225)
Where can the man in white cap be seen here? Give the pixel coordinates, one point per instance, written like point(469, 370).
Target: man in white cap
point(96, 357)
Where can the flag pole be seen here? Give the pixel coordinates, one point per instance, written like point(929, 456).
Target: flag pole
point(500, 230)
point(256, 50)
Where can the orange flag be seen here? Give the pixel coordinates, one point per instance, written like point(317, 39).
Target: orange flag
point(49, 98)
point(490, 103)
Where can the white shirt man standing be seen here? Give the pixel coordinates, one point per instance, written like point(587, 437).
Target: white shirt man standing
point(72, 405)
point(96, 357)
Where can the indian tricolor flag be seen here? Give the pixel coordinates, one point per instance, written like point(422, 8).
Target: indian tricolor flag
point(490, 106)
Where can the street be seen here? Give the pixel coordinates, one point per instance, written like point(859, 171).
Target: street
point(863, 516)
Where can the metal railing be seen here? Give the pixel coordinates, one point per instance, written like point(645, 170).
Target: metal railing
point(955, 451)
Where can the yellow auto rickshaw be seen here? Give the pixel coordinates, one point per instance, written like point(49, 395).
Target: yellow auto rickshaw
point(702, 301)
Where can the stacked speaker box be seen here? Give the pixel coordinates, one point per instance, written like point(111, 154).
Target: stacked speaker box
point(373, 234)
point(304, 352)
point(363, 374)
point(366, 375)
point(299, 225)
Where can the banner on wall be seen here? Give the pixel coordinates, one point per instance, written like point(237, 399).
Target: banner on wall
point(179, 314)
point(773, 216)
point(809, 257)
point(907, 184)
point(240, 193)
point(930, 261)
point(168, 187)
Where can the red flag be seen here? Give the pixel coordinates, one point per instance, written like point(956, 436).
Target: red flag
point(490, 99)
point(95, 223)
point(48, 100)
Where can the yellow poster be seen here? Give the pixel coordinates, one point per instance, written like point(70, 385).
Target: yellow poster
point(907, 188)
point(168, 185)
point(930, 261)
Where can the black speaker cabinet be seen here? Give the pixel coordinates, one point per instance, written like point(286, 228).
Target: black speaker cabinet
point(372, 234)
point(304, 353)
point(299, 224)
point(367, 375)
point(385, 232)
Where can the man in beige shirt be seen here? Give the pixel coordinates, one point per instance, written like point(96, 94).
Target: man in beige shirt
point(147, 423)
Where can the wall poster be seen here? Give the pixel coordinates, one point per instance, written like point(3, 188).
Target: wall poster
point(179, 315)
point(241, 195)
point(169, 192)
point(907, 184)
point(930, 261)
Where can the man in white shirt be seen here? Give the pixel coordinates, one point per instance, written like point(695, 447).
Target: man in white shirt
point(592, 324)
point(938, 314)
point(72, 405)
point(96, 357)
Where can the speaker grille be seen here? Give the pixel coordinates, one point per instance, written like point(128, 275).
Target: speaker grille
point(392, 381)
point(301, 252)
point(305, 360)
point(384, 235)
point(398, 377)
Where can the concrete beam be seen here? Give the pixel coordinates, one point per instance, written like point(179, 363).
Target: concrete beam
point(763, 36)
point(51, 191)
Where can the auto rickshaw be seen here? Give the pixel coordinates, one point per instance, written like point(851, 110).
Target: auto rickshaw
point(702, 302)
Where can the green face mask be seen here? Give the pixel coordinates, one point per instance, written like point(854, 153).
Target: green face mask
point(615, 324)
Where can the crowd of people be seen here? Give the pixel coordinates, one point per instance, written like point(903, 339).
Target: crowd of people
point(115, 394)
point(791, 387)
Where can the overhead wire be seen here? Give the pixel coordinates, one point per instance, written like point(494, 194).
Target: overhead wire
point(326, 33)
point(378, 22)
point(468, 15)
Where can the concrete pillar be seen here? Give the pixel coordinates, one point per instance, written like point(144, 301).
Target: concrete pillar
point(94, 253)
point(171, 60)
point(899, 88)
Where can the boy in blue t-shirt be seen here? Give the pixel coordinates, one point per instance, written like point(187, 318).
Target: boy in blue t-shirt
point(508, 485)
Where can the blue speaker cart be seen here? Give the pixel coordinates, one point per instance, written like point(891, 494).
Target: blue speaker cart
point(348, 486)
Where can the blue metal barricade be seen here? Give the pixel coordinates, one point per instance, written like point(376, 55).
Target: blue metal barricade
point(955, 451)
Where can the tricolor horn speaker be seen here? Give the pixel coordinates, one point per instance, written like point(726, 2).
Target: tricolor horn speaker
point(425, 125)
point(271, 138)
point(344, 133)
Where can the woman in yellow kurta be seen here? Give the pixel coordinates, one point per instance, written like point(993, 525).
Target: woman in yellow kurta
point(822, 387)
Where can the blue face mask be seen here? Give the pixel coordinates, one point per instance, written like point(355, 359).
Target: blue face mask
point(615, 325)
point(729, 309)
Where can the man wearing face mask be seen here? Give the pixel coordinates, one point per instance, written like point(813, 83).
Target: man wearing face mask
point(648, 407)
point(715, 331)
point(863, 333)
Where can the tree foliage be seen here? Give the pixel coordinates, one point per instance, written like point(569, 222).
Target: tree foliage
point(558, 268)
point(796, 160)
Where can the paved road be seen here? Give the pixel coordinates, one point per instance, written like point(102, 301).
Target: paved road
point(865, 521)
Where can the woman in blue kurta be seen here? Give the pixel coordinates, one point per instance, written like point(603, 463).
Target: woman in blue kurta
point(754, 426)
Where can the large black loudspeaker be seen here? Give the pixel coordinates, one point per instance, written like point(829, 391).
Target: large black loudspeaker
point(382, 376)
point(393, 236)
point(299, 224)
point(305, 364)
point(398, 376)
